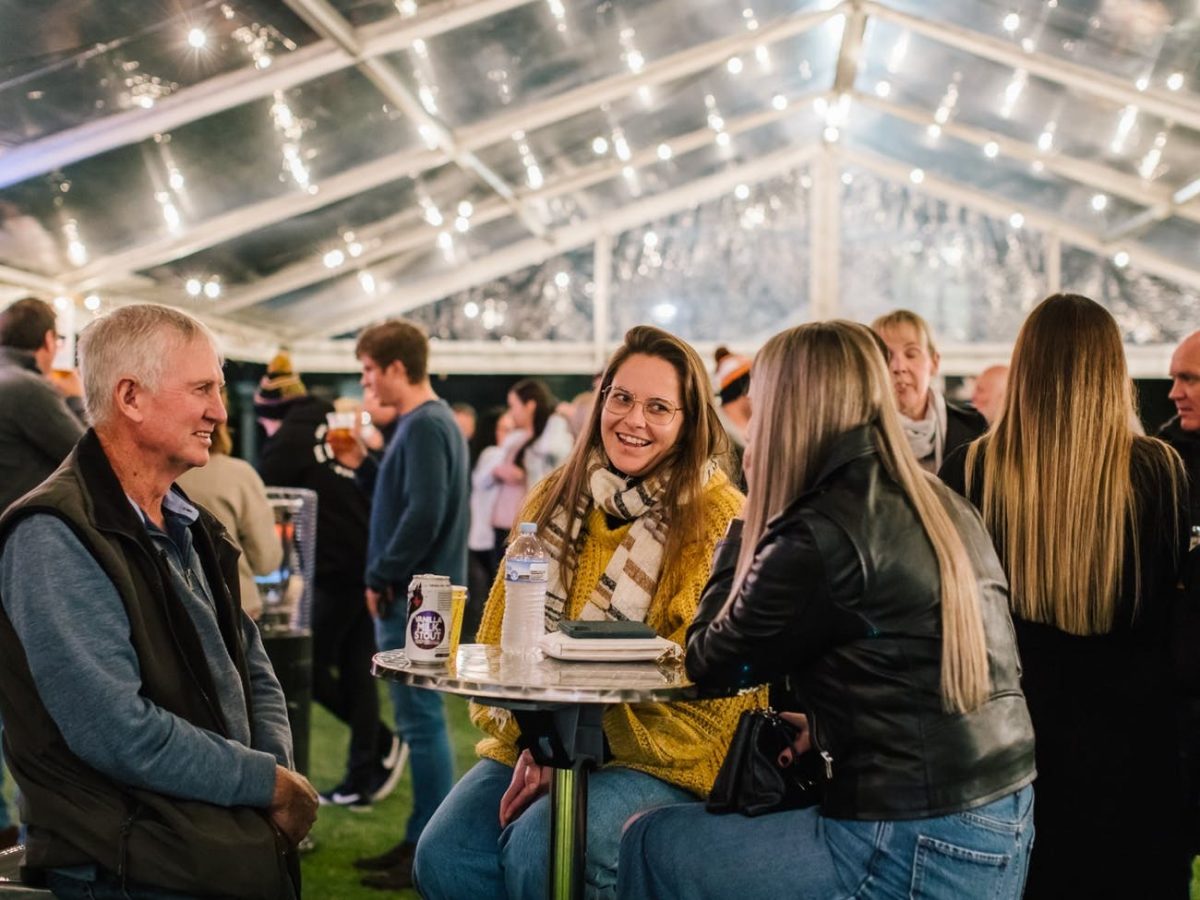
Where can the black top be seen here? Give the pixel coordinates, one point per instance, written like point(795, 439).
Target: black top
point(963, 425)
point(843, 600)
point(298, 456)
point(1187, 445)
point(1105, 712)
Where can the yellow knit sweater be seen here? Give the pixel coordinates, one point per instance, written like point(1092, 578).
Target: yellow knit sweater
point(681, 743)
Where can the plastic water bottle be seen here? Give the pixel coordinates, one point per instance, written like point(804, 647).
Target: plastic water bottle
point(525, 566)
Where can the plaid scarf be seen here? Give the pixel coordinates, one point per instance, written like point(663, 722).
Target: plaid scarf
point(629, 581)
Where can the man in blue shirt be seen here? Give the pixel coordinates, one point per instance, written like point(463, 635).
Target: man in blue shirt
point(419, 523)
point(145, 726)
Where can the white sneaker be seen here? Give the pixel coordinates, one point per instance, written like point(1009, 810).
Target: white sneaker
point(391, 774)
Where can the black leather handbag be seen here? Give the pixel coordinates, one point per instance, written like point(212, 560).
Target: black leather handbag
point(752, 781)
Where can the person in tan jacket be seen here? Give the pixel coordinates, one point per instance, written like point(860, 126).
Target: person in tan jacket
point(231, 490)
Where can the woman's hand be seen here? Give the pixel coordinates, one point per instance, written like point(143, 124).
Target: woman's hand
point(802, 742)
point(529, 781)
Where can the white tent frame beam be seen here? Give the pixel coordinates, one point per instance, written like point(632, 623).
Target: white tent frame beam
point(314, 271)
point(991, 204)
point(1092, 82)
point(29, 281)
point(854, 28)
point(1182, 203)
point(692, 61)
point(825, 235)
point(329, 22)
point(238, 222)
point(411, 163)
point(533, 252)
point(232, 89)
point(1084, 172)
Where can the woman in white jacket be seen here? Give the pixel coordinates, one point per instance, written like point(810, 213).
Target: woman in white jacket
point(481, 539)
point(539, 443)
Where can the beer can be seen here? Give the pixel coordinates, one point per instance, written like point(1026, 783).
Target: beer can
point(430, 615)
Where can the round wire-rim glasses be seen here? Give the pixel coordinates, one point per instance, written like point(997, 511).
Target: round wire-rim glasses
point(656, 411)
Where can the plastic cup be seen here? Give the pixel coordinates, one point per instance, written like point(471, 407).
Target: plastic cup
point(458, 608)
point(341, 431)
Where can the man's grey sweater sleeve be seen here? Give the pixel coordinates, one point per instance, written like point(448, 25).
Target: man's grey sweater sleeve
point(271, 731)
point(75, 632)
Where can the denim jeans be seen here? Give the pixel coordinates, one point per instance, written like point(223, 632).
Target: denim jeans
point(421, 722)
point(105, 887)
point(464, 853)
point(421, 719)
point(684, 851)
point(5, 819)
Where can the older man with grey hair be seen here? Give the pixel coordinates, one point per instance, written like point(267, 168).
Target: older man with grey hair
point(145, 726)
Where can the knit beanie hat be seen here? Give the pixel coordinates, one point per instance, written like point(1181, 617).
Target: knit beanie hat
point(733, 375)
point(278, 388)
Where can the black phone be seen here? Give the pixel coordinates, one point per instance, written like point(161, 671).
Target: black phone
point(606, 628)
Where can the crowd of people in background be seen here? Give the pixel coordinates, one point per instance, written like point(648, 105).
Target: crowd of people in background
point(982, 614)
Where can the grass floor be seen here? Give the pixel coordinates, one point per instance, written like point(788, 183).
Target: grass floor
point(341, 835)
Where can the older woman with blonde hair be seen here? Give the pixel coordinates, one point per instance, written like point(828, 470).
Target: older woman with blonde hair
point(934, 426)
point(630, 522)
point(1090, 520)
point(871, 597)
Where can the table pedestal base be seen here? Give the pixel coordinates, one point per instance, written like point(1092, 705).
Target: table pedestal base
point(570, 738)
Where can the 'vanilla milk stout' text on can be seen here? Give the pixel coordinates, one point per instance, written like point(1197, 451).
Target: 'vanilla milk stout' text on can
point(430, 612)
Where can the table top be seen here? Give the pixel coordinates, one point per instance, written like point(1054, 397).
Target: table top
point(483, 672)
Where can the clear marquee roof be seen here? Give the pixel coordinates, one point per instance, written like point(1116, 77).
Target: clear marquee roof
point(529, 178)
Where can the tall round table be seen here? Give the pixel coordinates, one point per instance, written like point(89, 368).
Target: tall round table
point(559, 707)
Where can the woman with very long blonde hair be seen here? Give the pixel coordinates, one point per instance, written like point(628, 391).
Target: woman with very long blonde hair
point(1089, 519)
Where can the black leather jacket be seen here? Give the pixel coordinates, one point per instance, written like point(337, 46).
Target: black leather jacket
point(843, 604)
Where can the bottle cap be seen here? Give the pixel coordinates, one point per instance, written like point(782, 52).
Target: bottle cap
point(528, 528)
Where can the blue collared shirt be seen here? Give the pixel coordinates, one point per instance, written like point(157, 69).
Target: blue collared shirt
point(76, 635)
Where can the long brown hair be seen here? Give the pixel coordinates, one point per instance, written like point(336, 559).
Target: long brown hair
point(811, 385)
point(1057, 490)
point(544, 405)
point(701, 438)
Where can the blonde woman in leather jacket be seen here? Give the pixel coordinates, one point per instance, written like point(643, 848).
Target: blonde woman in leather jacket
point(870, 595)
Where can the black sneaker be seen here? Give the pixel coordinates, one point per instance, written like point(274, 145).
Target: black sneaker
point(397, 878)
point(400, 854)
point(346, 795)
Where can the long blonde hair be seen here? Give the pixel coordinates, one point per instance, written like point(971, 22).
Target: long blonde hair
point(811, 385)
point(701, 438)
point(1057, 491)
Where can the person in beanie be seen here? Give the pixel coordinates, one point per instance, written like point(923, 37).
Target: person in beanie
point(296, 455)
point(733, 390)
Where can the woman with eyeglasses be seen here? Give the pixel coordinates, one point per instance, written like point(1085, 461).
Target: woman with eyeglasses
point(631, 521)
point(871, 598)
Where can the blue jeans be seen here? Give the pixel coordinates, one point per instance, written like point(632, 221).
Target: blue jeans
point(464, 853)
point(684, 851)
point(105, 887)
point(5, 820)
point(421, 721)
